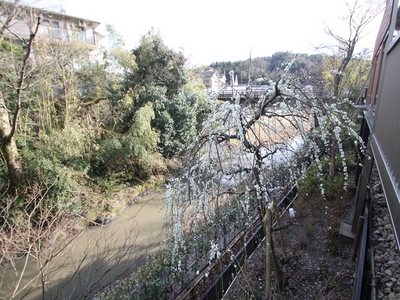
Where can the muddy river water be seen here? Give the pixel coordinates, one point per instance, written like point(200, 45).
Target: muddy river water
point(96, 256)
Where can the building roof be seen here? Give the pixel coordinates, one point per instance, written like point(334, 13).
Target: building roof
point(208, 73)
point(46, 15)
point(50, 13)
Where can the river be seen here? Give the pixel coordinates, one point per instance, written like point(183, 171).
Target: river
point(96, 256)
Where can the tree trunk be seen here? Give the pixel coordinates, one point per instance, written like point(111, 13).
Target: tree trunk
point(267, 229)
point(278, 222)
point(270, 256)
point(336, 83)
point(279, 278)
point(9, 148)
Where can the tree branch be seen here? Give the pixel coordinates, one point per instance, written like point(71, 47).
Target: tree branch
point(10, 17)
point(22, 78)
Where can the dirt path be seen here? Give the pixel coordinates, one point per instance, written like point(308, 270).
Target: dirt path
point(318, 266)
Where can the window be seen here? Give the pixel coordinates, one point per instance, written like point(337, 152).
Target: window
point(82, 35)
point(44, 27)
point(397, 25)
point(393, 38)
point(90, 37)
point(55, 30)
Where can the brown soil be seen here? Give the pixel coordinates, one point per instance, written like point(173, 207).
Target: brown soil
point(318, 263)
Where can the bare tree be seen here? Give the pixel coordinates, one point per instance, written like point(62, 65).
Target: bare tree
point(20, 72)
point(18, 83)
point(249, 151)
point(360, 14)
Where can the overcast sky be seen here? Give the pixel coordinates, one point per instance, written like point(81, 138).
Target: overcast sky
point(219, 30)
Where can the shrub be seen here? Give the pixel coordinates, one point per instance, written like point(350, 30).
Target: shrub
point(314, 181)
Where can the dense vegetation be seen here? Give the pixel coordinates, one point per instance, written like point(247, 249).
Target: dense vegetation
point(83, 121)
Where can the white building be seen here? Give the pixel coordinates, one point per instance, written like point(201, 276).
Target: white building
point(57, 26)
point(212, 80)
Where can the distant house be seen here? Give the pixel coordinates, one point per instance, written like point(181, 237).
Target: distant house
point(58, 26)
point(57, 29)
point(212, 80)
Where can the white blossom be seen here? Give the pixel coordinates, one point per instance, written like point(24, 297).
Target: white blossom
point(226, 170)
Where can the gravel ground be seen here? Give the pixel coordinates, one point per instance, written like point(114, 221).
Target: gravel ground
point(385, 250)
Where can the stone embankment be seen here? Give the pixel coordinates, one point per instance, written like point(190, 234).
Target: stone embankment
point(385, 250)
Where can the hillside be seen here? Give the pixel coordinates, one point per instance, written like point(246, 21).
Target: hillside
point(305, 65)
point(310, 69)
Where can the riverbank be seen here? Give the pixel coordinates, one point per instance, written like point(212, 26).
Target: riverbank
point(80, 259)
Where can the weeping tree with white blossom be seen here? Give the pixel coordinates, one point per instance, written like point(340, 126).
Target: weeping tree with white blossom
point(248, 152)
